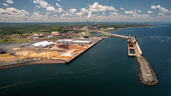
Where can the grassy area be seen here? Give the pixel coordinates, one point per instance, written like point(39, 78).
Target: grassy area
point(107, 34)
point(88, 33)
point(14, 40)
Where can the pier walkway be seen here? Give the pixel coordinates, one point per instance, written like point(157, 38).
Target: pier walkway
point(114, 35)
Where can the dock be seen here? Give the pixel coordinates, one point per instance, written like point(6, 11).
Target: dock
point(85, 50)
point(147, 76)
point(33, 61)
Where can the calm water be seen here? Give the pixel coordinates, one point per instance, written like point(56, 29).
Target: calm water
point(104, 70)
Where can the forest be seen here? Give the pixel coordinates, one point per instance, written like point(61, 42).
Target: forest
point(24, 28)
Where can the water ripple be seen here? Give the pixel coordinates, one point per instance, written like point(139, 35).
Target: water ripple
point(162, 39)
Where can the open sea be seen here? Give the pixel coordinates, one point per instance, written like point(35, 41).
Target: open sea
point(104, 70)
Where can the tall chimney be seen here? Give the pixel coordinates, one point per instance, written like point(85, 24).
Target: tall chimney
point(87, 24)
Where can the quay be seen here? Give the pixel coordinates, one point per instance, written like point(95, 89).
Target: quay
point(147, 76)
point(44, 60)
point(86, 49)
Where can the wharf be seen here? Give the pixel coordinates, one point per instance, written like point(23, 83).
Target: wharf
point(85, 50)
point(147, 76)
point(32, 61)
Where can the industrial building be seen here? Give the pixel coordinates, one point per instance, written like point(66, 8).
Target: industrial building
point(42, 44)
point(50, 36)
point(81, 42)
point(65, 41)
point(36, 38)
point(54, 33)
point(93, 27)
point(70, 41)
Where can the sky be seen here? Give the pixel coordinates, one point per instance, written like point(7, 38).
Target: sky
point(78, 10)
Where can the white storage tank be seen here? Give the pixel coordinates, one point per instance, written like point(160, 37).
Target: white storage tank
point(50, 36)
point(36, 38)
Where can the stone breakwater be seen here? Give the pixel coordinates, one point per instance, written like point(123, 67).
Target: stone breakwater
point(147, 76)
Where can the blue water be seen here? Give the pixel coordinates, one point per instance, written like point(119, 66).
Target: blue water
point(104, 70)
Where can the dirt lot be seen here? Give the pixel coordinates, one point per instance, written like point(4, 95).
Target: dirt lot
point(76, 47)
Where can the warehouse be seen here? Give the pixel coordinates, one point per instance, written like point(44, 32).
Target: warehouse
point(42, 44)
point(65, 41)
point(81, 42)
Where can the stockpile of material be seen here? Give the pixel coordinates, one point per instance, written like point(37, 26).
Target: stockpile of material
point(45, 54)
point(68, 57)
point(25, 53)
point(55, 48)
point(77, 50)
point(15, 48)
point(6, 56)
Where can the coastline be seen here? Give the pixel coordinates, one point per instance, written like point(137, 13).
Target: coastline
point(135, 27)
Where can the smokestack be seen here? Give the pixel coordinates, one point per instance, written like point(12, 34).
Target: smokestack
point(89, 15)
point(87, 24)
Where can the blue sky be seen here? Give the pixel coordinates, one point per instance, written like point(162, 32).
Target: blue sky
point(77, 10)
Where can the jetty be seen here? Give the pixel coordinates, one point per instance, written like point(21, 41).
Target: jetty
point(147, 76)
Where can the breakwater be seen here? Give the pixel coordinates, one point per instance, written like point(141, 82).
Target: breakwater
point(147, 76)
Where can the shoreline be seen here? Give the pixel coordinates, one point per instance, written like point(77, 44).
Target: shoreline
point(134, 27)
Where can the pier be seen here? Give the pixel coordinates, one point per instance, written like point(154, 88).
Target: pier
point(147, 76)
point(113, 35)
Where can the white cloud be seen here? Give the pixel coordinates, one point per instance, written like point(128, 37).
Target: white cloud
point(35, 13)
point(50, 8)
point(55, 15)
point(9, 1)
point(139, 10)
point(160, 13)
point(141, 16)
point(59, 10)
point(79, 14)
point(84, 10)
point(47, 6)
point(73, 10)
point(162, 9)
point(47, 12)
point(13, 13)
point(38, 6)
point(122, 8)
point(59, 0)
point(58, 5)
point(96, 7)
point(113, 13)
point(149, 11)
point(4, 4)
point(131, 12)
point(66, 14)
point(104, 13)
